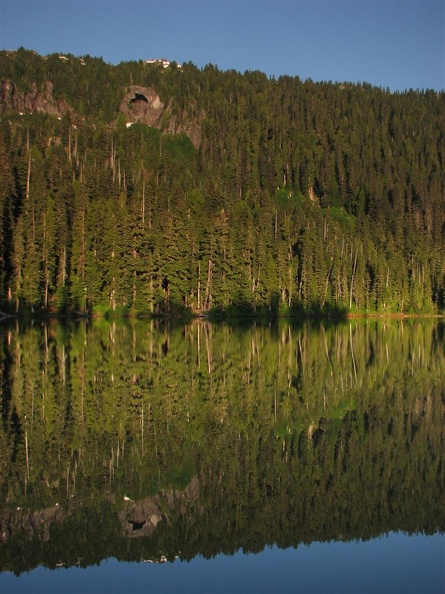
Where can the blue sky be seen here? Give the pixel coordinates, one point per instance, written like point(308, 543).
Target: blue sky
point(395, 44)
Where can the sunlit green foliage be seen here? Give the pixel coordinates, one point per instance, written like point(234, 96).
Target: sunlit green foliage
point(300, 197)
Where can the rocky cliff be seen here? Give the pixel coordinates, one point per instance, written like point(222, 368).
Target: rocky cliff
point(143, 105)
point(139, 105)
point(36, 100)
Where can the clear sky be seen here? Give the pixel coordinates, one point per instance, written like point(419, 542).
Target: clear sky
point(395, 44)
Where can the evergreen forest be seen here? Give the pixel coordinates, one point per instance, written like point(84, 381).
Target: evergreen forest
point(136, 188)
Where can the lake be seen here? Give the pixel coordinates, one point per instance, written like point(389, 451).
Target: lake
point(214, 458)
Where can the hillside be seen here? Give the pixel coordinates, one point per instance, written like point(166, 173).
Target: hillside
point(163, 190)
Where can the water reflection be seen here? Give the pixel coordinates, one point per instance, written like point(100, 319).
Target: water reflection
point(148, 442)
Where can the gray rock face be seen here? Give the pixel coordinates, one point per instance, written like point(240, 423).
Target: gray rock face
point(139, 105)
point(143, 105)
point(14, 101)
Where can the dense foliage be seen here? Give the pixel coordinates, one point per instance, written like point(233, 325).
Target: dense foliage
point(300, 196)
point(290, 435)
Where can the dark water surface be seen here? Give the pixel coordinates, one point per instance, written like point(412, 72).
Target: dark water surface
point(208, 458)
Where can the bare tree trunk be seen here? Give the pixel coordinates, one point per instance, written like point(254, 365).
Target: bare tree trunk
point(199, 287)
point(28, 172)
point(354, 268)
point(208, 297)
point(143, 202)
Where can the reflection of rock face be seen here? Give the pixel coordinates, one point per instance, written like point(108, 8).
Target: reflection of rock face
point(32, 524)
point(140, 518)
point(137, 518)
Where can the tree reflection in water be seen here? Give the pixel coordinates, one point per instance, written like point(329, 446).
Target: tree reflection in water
point(145, 441)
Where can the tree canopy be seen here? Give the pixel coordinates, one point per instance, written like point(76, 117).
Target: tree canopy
point(250, 194)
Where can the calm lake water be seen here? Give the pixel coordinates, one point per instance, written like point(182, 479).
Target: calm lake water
point(211, 458)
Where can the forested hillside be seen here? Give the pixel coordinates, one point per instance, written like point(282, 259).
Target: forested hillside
point(158, 190)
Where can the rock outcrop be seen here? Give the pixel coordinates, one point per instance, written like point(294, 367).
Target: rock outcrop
point(143, 105)
point(139, 105)
point(14, 101)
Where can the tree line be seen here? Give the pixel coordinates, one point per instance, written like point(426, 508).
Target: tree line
point(301, 197)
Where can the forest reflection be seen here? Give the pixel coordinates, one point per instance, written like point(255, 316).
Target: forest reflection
point(145, 441)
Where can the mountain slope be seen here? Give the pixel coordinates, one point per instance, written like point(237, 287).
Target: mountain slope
point(157, 189)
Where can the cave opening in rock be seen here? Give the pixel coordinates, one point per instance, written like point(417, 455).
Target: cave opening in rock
point(138, 97)
point(136, 525)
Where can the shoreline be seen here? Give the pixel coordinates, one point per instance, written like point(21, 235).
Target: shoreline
point(216, 317)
